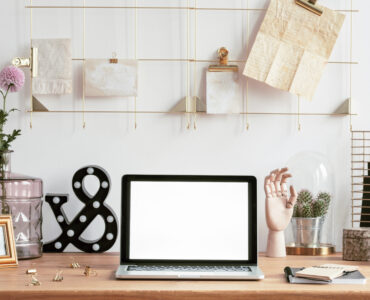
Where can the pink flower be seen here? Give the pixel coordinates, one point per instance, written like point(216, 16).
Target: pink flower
point(13, 77)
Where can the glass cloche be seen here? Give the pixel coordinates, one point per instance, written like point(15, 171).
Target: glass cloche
point(311, 229)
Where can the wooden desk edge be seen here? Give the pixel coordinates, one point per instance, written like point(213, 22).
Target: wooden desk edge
point(183, 295)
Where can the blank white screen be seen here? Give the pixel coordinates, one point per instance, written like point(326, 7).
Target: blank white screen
point(189, 220)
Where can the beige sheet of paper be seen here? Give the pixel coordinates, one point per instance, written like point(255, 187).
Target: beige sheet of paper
point(104, 79)
point(293, 46)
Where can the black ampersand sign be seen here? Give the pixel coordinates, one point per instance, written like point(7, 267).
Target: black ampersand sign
point(94, 206)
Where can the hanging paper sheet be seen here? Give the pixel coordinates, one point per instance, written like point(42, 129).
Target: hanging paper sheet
point(293, 46)
point(105, 79)
point(54, 67)
point(222, 95)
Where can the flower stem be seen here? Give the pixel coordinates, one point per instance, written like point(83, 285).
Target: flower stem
point(6, 94)
point(4, 206)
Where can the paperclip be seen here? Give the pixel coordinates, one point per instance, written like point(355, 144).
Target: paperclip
point(34, 281)
point(58, 276)
point(90, 271)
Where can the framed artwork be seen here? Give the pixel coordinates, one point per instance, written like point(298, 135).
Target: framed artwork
point(8, 252)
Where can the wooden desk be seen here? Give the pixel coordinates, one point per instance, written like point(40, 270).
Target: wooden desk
point(104, 286)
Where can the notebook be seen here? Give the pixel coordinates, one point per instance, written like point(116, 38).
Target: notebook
point(348, 278)
point(325, 272)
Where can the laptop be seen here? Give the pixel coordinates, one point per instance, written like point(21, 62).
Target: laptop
point(189, 227)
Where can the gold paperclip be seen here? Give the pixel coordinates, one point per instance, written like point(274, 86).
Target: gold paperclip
point(90, 271)
point(75, 265)
point(34, 281)
point(58, 276)
point(31, 271)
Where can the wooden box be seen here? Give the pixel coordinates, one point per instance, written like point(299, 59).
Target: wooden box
point(356, 244)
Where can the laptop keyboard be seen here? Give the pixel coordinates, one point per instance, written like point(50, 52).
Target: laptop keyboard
point(190, 268)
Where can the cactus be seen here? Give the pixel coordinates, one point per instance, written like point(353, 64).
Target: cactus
point(304, 197)
point(321, 205)
point(308, 207)
point(296, 211)
point(324, 197)
point(306, 210)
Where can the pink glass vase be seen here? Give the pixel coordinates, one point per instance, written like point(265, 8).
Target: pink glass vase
point(21, 196)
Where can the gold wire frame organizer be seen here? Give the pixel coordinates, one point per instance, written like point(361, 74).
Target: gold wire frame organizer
point(191, 6)
point(360, 178)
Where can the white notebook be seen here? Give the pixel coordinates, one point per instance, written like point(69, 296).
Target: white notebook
point(325, 272)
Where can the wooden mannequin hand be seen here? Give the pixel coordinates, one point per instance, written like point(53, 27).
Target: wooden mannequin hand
point(279, 209)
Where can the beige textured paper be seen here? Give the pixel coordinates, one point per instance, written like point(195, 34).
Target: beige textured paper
point(293, 46)
point(54, 67)
point(104, 79)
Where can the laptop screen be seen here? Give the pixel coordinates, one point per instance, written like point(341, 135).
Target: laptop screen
point(189, 220)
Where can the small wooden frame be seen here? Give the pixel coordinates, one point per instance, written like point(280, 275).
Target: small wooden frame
point(8, 252)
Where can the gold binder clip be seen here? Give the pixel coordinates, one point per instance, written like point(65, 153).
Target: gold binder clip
point(223, 66)
point(89, 271)
point(28, 62)
point(34, 281)
point(114, 59)
point(310, 5)
point(58, 276)
point(74, 264)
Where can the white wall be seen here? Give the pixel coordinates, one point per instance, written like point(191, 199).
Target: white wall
point(57, 145)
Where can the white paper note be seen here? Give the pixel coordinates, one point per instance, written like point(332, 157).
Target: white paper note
point(222, 93)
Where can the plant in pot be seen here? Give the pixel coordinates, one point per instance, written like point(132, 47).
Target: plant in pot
point(308, 218)
point(11, 80)
point(21, 195)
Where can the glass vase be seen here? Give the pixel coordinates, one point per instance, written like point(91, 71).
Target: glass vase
point(5, 167)
point(312, 234)
point(21, 196)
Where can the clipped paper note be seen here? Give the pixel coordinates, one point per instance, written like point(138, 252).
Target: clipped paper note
point(54, 67)
point(293, 46)
point(105, 79)
point(222, 93)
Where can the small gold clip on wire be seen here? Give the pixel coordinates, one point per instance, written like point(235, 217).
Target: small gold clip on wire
point(223, 64)
point(28, 62)
point(310, 5)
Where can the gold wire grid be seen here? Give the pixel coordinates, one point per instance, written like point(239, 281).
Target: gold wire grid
point(360, 177)
point(166, 8)
point(188, 60)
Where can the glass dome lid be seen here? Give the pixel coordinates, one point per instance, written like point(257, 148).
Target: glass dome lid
point(311, 171)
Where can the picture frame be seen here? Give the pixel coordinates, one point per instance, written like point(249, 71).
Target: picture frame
point(8, 252)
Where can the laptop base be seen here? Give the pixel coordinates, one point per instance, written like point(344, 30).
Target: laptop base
point(254, 274)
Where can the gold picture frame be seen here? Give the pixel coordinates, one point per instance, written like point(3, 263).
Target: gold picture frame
point(8, 252)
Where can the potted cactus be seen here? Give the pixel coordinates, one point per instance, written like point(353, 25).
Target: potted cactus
point(308, 218)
